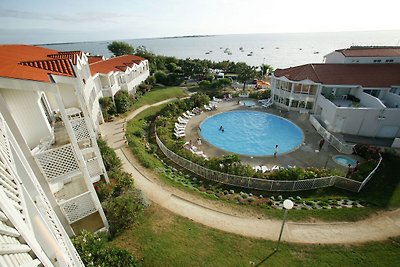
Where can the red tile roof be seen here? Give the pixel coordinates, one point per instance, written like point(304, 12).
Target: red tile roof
point(93, 59)
point(366, 75)
point(377, 51)
point(35, 63)
point(115, 64)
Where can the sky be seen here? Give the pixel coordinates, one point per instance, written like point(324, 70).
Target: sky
point(49, 21)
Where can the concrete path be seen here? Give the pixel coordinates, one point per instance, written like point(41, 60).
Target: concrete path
point(378, 227)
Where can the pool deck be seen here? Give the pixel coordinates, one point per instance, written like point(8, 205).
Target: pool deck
point(307, 155)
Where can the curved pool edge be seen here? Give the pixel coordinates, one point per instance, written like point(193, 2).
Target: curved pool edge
point(250, 155)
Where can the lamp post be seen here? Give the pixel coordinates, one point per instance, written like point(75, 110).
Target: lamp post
point(287, 205)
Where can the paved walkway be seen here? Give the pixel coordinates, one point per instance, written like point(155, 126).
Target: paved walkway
point(378, 227)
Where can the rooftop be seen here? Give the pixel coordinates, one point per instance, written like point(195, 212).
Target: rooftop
point(366, 75)
point(371, 51)
point(35, 63)
point(120, 63)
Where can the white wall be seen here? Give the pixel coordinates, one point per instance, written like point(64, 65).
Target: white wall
point(26, 110)
point(68, 95)
point(364, 60)
point(328, 112)
point(334, 57)
point(368, 100)
point(391, 100)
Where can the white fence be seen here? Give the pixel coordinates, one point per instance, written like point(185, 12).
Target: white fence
point(264, 184)
point(78, 207)
point(58, 162)
point(339, 146)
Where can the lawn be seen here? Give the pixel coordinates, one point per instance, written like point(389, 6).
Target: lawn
point(158, 94)
point(162, 239)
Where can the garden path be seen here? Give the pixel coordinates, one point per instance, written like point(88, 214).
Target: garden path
point(378, 227)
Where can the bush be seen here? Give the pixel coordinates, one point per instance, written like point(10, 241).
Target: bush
point(161, 77)
point(123, 101)
point(123, 210)
point(107, 107)
point(110, 159)
point(94, 250)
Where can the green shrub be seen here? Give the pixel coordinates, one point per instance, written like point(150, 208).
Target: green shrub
point(107, 107)
point(123, 101)
point(94, 250)
point(110, 159)
point(123, 210)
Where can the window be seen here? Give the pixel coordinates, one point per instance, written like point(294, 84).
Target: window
point(46, 108)
point(295, 103)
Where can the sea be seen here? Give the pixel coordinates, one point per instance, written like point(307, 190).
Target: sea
point(280, 50)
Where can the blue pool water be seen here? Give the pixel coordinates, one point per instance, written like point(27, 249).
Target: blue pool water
point(344, 160)
point(247, 103)
point(251, 133)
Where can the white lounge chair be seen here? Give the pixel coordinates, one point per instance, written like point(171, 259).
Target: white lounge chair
point(182, 120)
point(207, 108)
point(217, 99)
point(179, 135)
point(263, 101)
point(179, 131)
point(275, 168)
point(257, 168)
point(267, 104)
point(265, 169)
point(178, 125)
point(185, 116)
point(190, 113)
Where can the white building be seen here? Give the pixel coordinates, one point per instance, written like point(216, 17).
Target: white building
point(50, 103)
point(30, 232)
point(365, 55)
point(354, 99)
point(125, 72)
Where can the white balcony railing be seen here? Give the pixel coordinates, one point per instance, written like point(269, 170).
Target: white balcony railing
point(78, 207)
point(58, 162)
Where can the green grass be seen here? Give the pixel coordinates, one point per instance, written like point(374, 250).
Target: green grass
point(137, 143)
point(163, 239)
point(158, 94)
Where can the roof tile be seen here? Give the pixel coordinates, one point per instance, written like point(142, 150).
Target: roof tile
point(366, 75)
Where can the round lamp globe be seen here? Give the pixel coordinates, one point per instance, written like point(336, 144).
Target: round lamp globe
point(288, 204)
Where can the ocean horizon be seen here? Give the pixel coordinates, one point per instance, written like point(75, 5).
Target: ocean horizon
point(280, 50)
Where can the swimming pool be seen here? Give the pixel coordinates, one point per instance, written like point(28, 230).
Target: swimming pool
point(344, 160)
point(247, 103)
point(251, 133)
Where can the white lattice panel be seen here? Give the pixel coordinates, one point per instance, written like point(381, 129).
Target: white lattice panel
point(80, 129)
point(78, 207)
point(93, 167)
point(58, 162)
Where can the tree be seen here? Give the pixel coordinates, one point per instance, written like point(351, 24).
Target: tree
point(120, 48)
point(107, 107)
point(265, 68)
point(123, 101)
point(245, 73)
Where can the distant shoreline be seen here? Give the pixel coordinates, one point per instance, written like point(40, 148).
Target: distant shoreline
point(185, 36)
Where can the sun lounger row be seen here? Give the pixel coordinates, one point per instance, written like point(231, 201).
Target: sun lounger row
point(264, 169)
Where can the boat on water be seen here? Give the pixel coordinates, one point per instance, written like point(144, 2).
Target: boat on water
point(262, 47)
